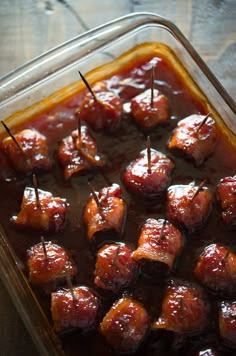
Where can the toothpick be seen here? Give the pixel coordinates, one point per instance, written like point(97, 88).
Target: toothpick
point(88, 86)
point(152, 86)
point(198, 190)
point(70, 286)
point(44, 248)
point(149, 155)
point(223, 261)
point(203, 121)
point(116, 255)
point(13, 137)
point(162, 236)
point(95, 197)
point(35, 184)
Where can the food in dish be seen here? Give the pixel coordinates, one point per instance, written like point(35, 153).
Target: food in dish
point(151, 233)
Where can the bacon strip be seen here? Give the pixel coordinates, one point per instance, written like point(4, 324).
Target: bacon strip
point(79, 153)
point(125, 325)
point(159, 244)
point(54, 265)
point(35, 151)
point(193, 140)
point(50, 215)
point(110, 216)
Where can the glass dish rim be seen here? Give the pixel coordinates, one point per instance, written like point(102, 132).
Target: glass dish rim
point(46, 343)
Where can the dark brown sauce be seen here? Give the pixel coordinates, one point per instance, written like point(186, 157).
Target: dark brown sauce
point(119, 149)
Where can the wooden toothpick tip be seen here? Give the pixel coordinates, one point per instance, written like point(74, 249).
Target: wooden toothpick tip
point(44, 248)
point(88, 86)
point(162, 236)
point(116, 255)
point(199, 189)
point(224, 259)
point(70, 286)
point(95, 197)
point(152, 86)
point(149, 155)
point(203, 121)
point(35, 184)
point(13, 137)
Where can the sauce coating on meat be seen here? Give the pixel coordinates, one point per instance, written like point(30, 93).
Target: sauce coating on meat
point(105, 112)
point(79, 310)
point(207, 352)
point(149, 114)
point(33, 154)
point(184, 309)
point(226, 194)
point(48, 265)
point(77, 153)
point(216, 269)
point(125, 325)
point(110, 215)
point(115, 267)
point(194, 137)
point(227, 323)
point(148, 183)
point(187, 206)
point(49, 215)
point(159, 244)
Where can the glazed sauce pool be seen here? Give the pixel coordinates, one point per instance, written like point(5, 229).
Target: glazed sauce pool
point(119, 149)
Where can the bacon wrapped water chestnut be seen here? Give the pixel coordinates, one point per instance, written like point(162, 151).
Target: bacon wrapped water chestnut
point(28, 152)
point(195, 137)
point(48, 262)
point(188, 205)
point(226, 194)
point(159, 244)
point(43, 212)
point(125, 325)
point(184, 309)
point(115, 267)
point(216, 270)
point(227, 323)
point(79, 152)
point(101, 109)
point(105, 213)
point(74, 309)
point(150, 108)
point(146, 177)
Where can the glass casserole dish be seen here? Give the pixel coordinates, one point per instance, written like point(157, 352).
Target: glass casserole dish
point(38, 80)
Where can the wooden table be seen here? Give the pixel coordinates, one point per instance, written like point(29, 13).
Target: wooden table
point(28, 28)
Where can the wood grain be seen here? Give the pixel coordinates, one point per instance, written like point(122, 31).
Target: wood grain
point(28, 28)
